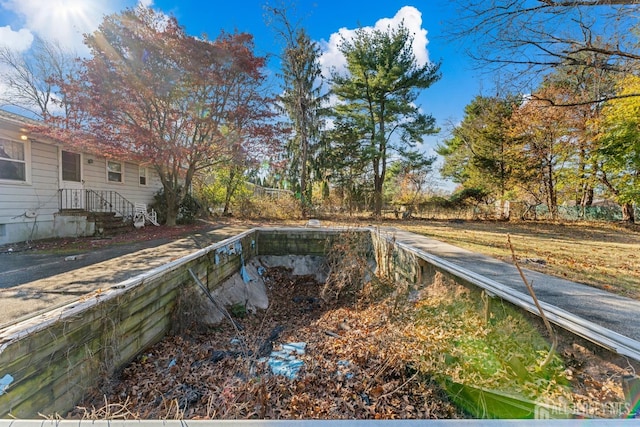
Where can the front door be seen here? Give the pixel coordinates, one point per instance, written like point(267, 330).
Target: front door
point(71, 182)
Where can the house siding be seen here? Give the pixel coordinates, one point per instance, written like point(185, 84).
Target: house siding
point(95, 176)
point(27, 209)
point(30, 210)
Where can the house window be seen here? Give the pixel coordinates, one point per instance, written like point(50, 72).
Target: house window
point(115, 171)
point(71, 166)
point(142, 173)
point(13, 163)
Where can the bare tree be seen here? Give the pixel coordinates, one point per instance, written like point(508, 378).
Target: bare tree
point(32, 77)
point(527, 38)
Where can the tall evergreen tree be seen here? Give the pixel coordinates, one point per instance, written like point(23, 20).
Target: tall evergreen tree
point(301, 100)
point(378, 93)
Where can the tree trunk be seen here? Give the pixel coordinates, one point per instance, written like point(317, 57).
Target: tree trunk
point(229, 192)
point(172, 208)
point(628, 215)
point(304, 205)
point(587, 197)
point(377, 195)
point(379, 165)
point(552, 198)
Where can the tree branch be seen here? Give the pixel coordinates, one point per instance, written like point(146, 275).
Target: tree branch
point(577, 3)
point(553, 103)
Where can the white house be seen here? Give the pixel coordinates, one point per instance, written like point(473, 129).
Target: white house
point(48, 189)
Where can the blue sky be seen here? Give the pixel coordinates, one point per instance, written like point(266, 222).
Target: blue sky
point(323, 20)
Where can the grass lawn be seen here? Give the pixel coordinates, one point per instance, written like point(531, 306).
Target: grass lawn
point(603, 255)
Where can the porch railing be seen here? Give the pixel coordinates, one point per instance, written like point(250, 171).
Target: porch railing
point(95, 201)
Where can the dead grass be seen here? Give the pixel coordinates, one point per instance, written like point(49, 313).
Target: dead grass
point(599, 254)
point(603, 255)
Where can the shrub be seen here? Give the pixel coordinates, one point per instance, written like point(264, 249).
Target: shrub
point(466, 195)
point(266, 207)
point(188, 209)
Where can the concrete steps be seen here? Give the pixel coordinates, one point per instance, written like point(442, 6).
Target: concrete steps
point(108, 224)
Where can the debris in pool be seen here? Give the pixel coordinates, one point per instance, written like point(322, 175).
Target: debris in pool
point(267, 344)
point(284, 361)
point(4, 383)
point(243, 273)
point(344, 369)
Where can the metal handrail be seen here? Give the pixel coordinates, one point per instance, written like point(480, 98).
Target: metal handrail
point(109, 201)
point(95, 201)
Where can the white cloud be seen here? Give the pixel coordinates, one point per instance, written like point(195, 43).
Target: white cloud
point(62, 20)
point(331, 57)
point(412, 18)
point(409, 15)
point(145, 3)
point(18, 40)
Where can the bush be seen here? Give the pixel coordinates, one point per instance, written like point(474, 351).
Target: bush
point(348, 261)
point(188, 209)
point(466, 195)
point(266, 207)
point(159, 204)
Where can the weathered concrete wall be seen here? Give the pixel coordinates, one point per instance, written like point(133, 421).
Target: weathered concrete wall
point(48, 362)
point(296, 241)
point(399, 264)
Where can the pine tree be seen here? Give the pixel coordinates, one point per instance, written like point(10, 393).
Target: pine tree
point(378, 93)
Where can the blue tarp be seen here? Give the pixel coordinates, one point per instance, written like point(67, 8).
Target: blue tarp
point(4, 383)
point(284, 361)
